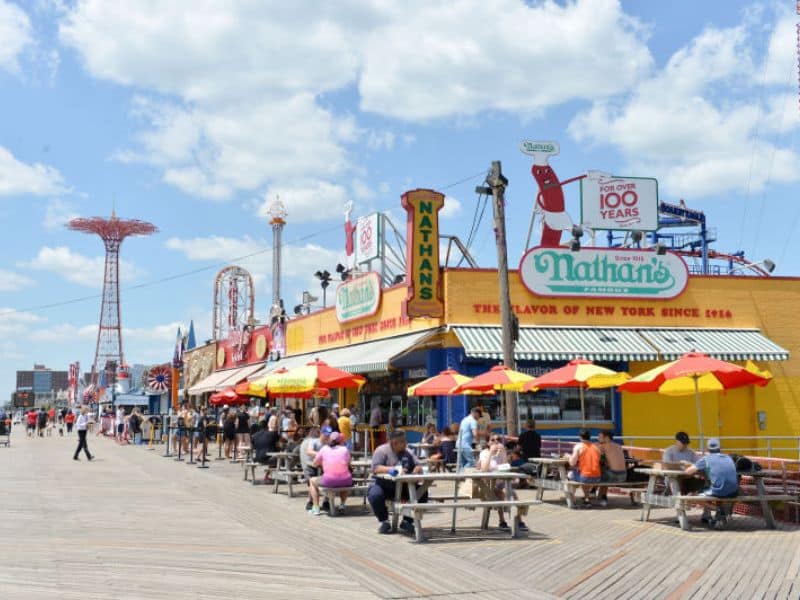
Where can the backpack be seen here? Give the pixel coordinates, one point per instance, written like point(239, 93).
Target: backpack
point(744, 464)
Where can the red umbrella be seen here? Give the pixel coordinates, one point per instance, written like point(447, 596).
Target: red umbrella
point(694, 373)
point(439, 385)
point(227, 396)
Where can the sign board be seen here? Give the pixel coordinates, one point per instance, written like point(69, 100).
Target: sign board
point(536, 148)
point(358, 298)
point(603, 273)
point(244, 347)
point(621, 203)
point(423, 275)
point(368, 238)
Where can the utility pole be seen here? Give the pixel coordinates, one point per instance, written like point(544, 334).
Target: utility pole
point(497, 183)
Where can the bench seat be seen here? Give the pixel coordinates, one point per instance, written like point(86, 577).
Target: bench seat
point(359, 490)
point(514, 507)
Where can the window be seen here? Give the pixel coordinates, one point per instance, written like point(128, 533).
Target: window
point(564, 404)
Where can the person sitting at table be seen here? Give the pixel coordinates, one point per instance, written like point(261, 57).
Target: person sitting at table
point(680, 455)
point(490, 460)
point(444, 451)
point(612, 463)
point(429, 439)
point(335, 462)
point(389, 458)
point(265, 442)
point(680, 452)
point(719, 471)
point(346, 428)
point(308, 451)
point(585, 463)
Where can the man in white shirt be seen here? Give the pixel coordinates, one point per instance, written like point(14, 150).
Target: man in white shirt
point(81, 425)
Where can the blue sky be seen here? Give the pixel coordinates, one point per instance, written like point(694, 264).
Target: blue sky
point(194, 115)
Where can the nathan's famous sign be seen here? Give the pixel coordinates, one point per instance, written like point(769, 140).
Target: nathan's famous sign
point(358, 298)
point(603, 273)
point(422, 254)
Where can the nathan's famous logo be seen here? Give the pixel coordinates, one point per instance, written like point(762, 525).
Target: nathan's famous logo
point(603, 272)
point(528, 147)
point(358, 298)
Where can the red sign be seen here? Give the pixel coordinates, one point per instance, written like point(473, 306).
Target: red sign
point(244, 347)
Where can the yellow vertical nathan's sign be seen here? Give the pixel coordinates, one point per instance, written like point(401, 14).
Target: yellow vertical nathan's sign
point(422, 254)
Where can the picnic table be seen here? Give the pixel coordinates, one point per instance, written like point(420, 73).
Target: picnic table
point(416, 509)
point(419, 447)
point(568, 487)
point(681, 503)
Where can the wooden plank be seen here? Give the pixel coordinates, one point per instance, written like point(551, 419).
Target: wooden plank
point(687, 585)
point(603, 564)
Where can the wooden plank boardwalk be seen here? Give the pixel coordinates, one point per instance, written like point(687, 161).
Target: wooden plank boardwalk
point(133, 524)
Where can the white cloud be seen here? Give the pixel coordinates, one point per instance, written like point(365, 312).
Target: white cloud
point(15, 33)
point(234, 116)
point(362, 190)
point(64, 333)
point(18, 178)
point(780, 65)
point(439, 59)
point(58, 213)
point(451, 208)
point(14, 322)
point(299, 262)
point(693, 124)
point(13, 282)
point(312, 201)
point(77, 268)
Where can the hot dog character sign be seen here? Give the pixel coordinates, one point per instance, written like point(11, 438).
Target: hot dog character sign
point(551, 196)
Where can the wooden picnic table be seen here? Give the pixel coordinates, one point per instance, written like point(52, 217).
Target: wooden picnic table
point(425, 480)
point(680, 502)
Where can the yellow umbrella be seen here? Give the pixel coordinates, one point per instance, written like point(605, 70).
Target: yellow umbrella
point(258, 387)
point(498, 378)
point(316, 374)
point(579, 373)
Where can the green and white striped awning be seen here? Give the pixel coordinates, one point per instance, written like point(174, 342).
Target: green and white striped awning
point(724, 344)
point(607, 344)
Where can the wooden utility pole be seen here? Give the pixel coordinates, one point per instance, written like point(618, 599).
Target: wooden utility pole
point(497, 186)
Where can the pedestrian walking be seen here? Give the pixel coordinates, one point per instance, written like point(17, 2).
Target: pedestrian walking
point(81, 425)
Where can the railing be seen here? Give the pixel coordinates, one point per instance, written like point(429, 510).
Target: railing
point(774, 446)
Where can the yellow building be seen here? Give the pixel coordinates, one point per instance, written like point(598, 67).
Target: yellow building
point(733, 318)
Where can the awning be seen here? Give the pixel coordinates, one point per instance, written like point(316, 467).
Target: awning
point(221, 379)
point(605, 344)
point(364, 358)
point(724, 344)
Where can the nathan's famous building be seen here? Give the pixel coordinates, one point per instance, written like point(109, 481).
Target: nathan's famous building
point(626, 308)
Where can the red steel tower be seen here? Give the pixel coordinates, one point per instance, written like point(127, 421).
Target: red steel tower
point(112, 231)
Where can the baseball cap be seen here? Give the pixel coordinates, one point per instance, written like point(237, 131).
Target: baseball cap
point(327, 430)
point(713, 445)
point(682, 437)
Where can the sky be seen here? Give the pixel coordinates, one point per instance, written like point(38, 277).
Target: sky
point(195, 115)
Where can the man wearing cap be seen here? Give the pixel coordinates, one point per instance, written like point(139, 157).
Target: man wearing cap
point(719, 471)
point(467, 435)
point(390, 458)
point(680, 450)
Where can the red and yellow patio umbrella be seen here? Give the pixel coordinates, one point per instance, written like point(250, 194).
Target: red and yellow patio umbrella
point(227, 396)
point(579, 373)
point(696, 373)
point(498, 378)
point(439, 385)
point(314, 375)
point(258, 387)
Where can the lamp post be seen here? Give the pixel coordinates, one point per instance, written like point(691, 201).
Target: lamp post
point(324, 280)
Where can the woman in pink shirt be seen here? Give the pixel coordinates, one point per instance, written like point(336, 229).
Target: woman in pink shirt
point(335, 462)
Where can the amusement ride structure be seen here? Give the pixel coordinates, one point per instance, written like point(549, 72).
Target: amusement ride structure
point(108, 352)
point(234, 302)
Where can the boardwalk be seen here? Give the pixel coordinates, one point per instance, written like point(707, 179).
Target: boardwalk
point(133, 524)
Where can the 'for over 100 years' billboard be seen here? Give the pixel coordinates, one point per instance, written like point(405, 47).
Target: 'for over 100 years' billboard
point(622, 203)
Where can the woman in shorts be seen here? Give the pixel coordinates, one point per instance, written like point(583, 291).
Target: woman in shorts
point(335, 462)
point(229, 434)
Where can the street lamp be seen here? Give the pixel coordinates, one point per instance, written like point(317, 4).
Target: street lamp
point(324, 280)
point(575, 242)
point(344, 272)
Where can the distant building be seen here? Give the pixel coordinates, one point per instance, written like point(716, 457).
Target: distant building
point(40, 386)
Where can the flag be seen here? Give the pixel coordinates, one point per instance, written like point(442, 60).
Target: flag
point(190, 339)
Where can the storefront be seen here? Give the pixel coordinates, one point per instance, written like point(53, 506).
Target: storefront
point(732, 318)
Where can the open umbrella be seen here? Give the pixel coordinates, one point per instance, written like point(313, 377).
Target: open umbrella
point(316, 374)
point(579, 373)
point(695, 373)
point(498, 378)
point(227, 396)
point(258, 387)
point(438, 385)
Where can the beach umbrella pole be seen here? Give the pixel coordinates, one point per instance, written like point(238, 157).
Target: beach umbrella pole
point(699, 413)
